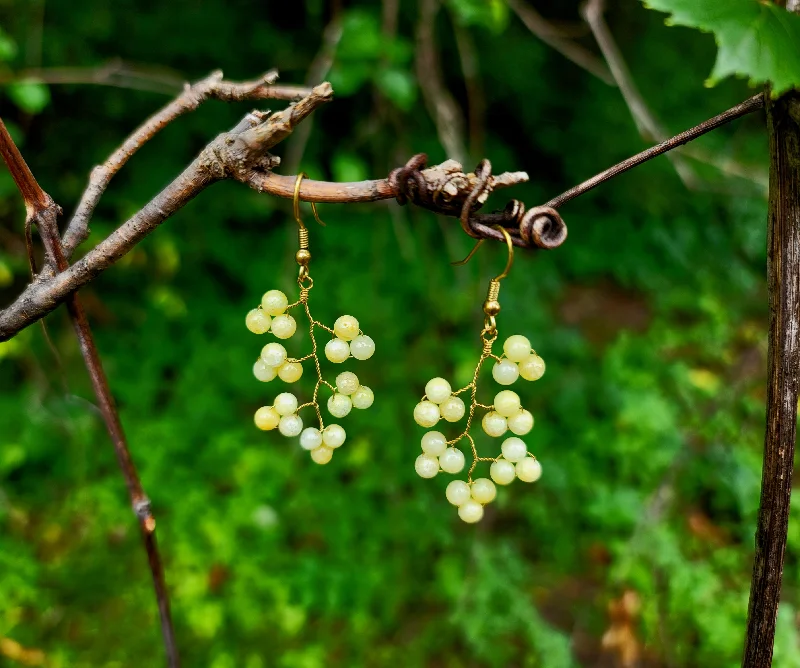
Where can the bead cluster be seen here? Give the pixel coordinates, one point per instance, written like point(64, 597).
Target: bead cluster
point(505, 414)
point(347, 392)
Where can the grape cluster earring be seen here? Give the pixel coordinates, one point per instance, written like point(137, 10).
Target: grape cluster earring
point(346, 341)
point(505, 414)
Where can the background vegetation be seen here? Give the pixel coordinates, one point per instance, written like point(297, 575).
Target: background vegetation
point(633, 549)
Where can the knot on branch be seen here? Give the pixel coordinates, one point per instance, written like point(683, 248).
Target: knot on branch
point(446, 189)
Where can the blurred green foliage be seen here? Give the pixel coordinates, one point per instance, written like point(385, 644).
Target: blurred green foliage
point(652, 320)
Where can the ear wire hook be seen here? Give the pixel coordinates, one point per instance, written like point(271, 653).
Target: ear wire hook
point(509, 262)
point(296, 202)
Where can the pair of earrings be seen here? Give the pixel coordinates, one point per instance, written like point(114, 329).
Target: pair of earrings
point(439, 401)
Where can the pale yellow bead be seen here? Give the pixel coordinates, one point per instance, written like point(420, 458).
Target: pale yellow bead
point(452, 409)
point(437, 390)
point(284, 326)
point(507, 403)
point(494, 424)
point(339, 405)
point(514, 449)
point(452, 460)
point(505, 372)
point(322, 455)
point(362, 398)
point(257, 321)
point(346, 327)
point(290, 425)
point(502, 472)
point(347, 382)
point(333, 436)
point(362, 347)
point(310, 438)
point(521, 423)
point(532, 367)
point(426, 466)
point(337, 351)
point(529, 470)
point(285, 403)
point(266, 418)
point(484, 491)
point(273, 354)
point(426, 414)
point(274, 302)
point(263, 372)
point(517, 347)
point(290, 372)
point(434, 443)
point(471, 512)
point(457, 492)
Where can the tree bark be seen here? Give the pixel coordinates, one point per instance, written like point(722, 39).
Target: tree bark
point(783, 277)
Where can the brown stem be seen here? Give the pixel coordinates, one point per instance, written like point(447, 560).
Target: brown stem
point(747, 107)
point(43, 212)
point(783, 278)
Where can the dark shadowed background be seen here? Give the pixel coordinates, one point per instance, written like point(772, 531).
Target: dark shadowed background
point(635, 547)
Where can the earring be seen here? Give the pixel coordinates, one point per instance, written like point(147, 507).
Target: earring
point(505, 414)
point(347, 340)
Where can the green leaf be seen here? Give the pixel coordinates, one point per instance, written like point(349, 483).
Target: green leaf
point(756, 40)
point(399, 86)
point(8, 47)
point(31, 96)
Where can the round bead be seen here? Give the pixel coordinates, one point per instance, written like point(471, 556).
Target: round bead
point(303, 257)
point(290, 372)
point(532, 367)
point(284, 326)
point(362, 347)
point(514, 449)
point(521, 423)
point(337, 351)
point(347, 382)
point(333, 436)
point(273, 354)
point(339, 405)
point(483, 490)
point(529, 470)
point(322, 455)
point(494, 424)
point(502, 472)
point(285, 403)
point(346, 327)
point(507, 403)
point(434, 443)
point(517, 347)
point(452, 460)
point(505, 372)
point(310, 438)
point(437, 390)
point(491, 307)
point(426, 466)
point(452, 409)
point(263, 372)
point(290, 425)
point(257, 321)
point(362, 398)
point(274, 302)
point(457, 492)
point(266, 418)
point(471, 512)
point(426, 414)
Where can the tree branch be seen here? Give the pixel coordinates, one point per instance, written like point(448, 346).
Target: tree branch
point(43, 212)
point(747, 107)
point(192, 97)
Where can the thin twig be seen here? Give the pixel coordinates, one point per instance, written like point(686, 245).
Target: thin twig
point(43, 212)
point(747, 107)
point(546, 32)
point(192, 97)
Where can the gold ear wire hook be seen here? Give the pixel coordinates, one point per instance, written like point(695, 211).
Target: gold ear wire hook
point(509, 262)
point(296, 203)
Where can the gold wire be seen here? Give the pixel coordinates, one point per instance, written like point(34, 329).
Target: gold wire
point(296, 202)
